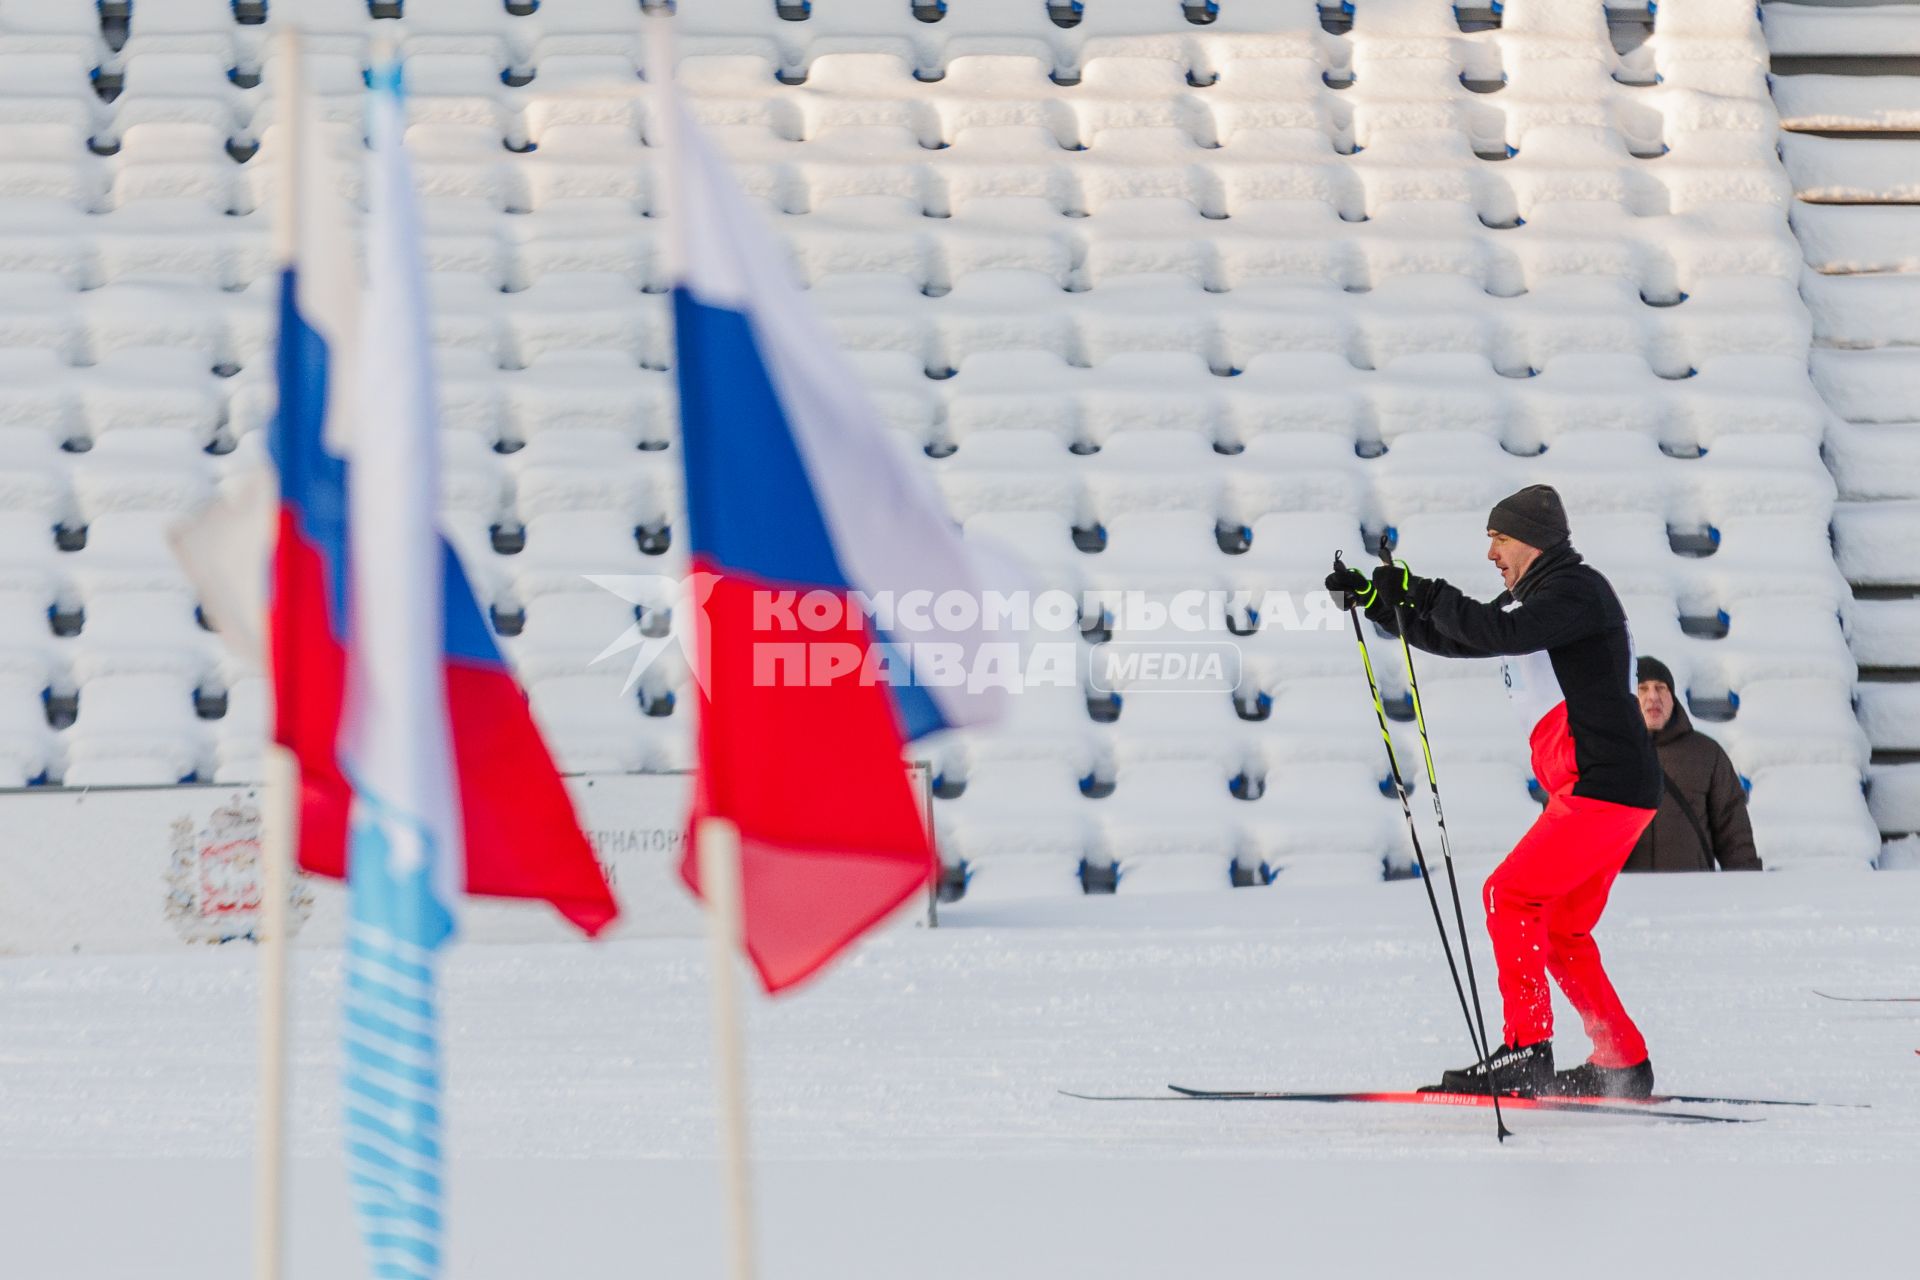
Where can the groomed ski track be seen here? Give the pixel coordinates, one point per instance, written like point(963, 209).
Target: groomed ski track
point(1657, 1100)
point(906, 1122)
point(1406, 1098)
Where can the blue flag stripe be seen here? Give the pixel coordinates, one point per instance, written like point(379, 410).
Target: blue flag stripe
point(401, 1152)
point(393, 1123)
point(411, 1245)
point(391, 1100)
point(390, 1029)
point(396, 1271)
point(380, 989)
point(404, 1136)
point(412, 970)
point(381, 1194)
point(379, 1162)
point(380, 1207)
point(363, 1057)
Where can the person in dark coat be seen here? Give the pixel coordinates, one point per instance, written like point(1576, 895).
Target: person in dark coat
point(1702, 818)
point(1567, 665)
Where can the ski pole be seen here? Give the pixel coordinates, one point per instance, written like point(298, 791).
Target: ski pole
point(1476, 1037)
point(1440, 818)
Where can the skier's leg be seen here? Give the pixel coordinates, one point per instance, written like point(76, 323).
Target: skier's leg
point(1543, 867)
point(1573, 957)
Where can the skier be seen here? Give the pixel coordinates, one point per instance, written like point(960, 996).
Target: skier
point(1567, 662)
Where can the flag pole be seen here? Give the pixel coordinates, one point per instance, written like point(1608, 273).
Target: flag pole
point(718, 850)
point(276, 851)
point(716, 840)
point(279, 805)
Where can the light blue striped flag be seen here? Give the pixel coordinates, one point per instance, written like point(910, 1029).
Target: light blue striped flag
point(396, 744)
point(389, 687)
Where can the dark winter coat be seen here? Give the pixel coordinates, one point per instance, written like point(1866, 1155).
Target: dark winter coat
point(1564, 607)
point(1705, 779)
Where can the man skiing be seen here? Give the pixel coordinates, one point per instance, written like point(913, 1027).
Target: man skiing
point(1567, 662)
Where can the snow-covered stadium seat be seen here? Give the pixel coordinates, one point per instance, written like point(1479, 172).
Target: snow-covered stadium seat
point(240, 735)
point(1161, 304)
point(1848, 101)
point(1018, 814)
point(134, 729)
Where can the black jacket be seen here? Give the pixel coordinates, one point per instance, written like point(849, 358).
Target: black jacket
point(1567, 609)
point(1707, 784)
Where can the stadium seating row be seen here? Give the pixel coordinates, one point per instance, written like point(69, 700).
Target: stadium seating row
point(1849, 102)
point(1169, 297)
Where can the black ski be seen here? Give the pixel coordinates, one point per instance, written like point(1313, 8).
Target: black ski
point(1869, 999)
point(1657, 1100)
point(1511, 1101)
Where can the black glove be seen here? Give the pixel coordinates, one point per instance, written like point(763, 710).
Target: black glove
point(1397, 586)
point(1350, 587)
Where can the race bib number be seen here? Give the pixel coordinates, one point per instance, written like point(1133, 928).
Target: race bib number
point(1531, 685)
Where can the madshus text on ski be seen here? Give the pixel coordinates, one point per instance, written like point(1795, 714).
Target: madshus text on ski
point(1567, 663)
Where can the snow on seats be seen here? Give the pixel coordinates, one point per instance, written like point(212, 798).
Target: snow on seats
point(134, 730)
point(1865, 240)
point(593, 726)
point(1017, 818)
point(1847, 100)
point(1164, 305)
point(1853, 170)
point(1864, 103)
point(240, 736)
point(1810, 30)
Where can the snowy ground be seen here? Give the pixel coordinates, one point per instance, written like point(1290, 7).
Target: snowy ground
point(907, 1122)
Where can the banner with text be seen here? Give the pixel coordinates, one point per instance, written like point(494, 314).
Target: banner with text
point(152, 868)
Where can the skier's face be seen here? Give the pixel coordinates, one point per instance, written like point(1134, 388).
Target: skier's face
point(1511, 556)
point(1656, 704)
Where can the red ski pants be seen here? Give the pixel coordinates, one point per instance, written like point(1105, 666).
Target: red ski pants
point(1544, 899)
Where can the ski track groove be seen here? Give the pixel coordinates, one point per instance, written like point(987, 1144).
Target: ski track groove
point(951, 1043)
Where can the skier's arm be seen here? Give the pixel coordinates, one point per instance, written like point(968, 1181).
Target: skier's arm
point(1419, 632)
point(1727, 817)
point(1555, 614)
point(1385, 601)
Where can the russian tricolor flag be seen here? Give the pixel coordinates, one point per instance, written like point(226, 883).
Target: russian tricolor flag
point(421, 770)
point(370, 609)
point(793, 487)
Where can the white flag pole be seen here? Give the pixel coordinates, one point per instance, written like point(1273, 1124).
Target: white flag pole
point(279, 806)
point(278, 819)
point(718, 850)
point(716, 840)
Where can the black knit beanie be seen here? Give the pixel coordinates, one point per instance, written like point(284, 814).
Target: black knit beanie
point(1533, 515)
point(1653, 669)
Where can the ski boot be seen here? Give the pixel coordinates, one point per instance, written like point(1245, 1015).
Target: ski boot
point(1526, 1070)
point(1591, 1081)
